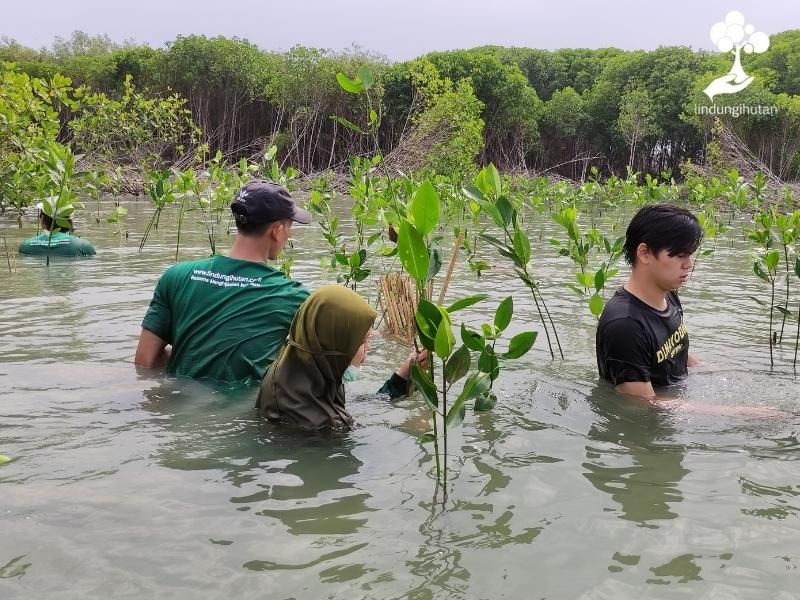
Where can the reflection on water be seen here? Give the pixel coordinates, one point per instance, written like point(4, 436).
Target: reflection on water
point(125, 484)
point(631, 455)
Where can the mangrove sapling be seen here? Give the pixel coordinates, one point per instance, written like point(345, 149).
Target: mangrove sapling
point(271, 170)
point(435, 331)
point(187, 186)
point(362, 84)
point(61, 202)
point(765, 266)
point(578, 247)
point(759, 185)
point(487, 193)
point(797, 332)
point(787, 228)
point(117, 217)
point(93, 186)
point(215, 198)
point(160, 189)
point(712, 227)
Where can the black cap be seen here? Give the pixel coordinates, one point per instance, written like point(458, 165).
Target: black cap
point(260, 201)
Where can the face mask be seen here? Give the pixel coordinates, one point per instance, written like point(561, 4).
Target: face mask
point(351, 373)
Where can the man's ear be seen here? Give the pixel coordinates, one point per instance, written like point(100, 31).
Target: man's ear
point(643, 253)
point(273, 230)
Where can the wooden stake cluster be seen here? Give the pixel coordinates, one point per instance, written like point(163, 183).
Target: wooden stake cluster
point(398, 300)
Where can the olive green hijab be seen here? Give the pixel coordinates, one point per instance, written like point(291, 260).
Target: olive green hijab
point(304, 385)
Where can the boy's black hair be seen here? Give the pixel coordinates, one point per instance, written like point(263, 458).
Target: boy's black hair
point(662, 227)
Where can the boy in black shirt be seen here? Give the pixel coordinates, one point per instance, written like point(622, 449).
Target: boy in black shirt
point(642, 341)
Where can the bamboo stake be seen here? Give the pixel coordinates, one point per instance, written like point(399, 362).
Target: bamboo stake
point(8, 256)
point(451, 267)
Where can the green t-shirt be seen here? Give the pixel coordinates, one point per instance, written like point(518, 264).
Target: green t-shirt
point(224, 317)
point(62, 244)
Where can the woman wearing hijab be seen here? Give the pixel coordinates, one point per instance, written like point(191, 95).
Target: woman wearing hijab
point(326, 345)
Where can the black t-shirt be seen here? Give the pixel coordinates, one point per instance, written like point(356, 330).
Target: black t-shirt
point(636, 342)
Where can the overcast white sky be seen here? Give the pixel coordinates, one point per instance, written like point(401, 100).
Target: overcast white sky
point(399, 30)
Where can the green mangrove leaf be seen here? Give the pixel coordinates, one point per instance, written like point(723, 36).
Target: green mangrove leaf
point(599, 279)
point(772, 259)
point(520, 344)
point(427, 438)
point(4, 459)
point(412, 251)
point(348, 124)
point(428, 319)
point(425, 208)
point(596, 305)
point(473, 193)
point(455, 416)
point(435, 264)
point(475, 385)
point(472, 339)
point(445, 340)
point(458, 365)
point(425, 386)
point(505, 209)
point(488, 363)
point(503, 314)
point(353, 86)
point(366, 76)
point(522, 244)
point(466, 302)
point(491, 210)
point(485, 401)
point(494, 179)
point(759, 271)
point(585, 279)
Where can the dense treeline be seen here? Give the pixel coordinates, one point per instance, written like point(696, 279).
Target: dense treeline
point(561, 111)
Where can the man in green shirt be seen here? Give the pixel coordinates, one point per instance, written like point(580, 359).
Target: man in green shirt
point(61, 243)
point(226, 316)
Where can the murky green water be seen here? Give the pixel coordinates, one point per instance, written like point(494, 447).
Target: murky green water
point(125, 485)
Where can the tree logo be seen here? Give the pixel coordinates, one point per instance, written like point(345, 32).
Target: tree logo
point(732, 35)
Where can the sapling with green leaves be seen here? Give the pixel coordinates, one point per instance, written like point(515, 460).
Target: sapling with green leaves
point(188, 187)
point(786, 231)
point(57, 188)
point(118, 217)
point(712, 228)
point(578, 247)
point(765, 266)
point(487, 193)
point(216, 196)
point(447, 363)
point(94, 185)
point(797, 331)
point(271, 170)
point(363, 85)
point(160, 189)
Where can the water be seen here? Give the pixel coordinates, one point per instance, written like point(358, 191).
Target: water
point(129, 485)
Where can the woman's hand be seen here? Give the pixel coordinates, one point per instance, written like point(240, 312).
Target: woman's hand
point(421, 358)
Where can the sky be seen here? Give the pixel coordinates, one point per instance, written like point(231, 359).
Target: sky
point(397, 30)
